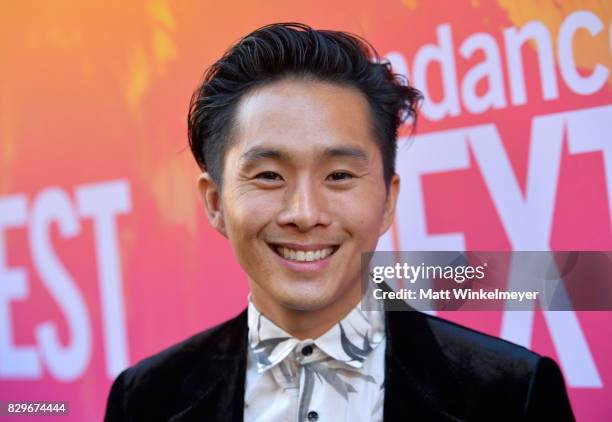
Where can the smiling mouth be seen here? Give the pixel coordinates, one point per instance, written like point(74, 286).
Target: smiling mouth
point(303, 255)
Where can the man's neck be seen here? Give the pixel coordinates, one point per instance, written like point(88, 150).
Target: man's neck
point(304, 324)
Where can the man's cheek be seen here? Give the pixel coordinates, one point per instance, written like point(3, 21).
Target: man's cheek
point(255, 214)
point(361, 223)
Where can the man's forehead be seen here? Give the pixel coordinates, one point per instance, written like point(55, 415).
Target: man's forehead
point(289, 106)
point(290, 119)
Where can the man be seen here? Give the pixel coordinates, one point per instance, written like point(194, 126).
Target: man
point(295, 131)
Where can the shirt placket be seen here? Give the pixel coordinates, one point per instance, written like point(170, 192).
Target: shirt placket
point(309, 400)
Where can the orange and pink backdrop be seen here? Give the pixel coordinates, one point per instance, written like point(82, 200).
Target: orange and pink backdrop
point(105, 253)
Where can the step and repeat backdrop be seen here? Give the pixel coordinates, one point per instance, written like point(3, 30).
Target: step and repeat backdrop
point(106, 256)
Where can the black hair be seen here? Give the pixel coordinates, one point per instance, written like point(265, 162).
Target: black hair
point(283, 50)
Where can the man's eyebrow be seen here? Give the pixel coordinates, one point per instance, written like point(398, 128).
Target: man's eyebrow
point(258, 153)
point(349, 152)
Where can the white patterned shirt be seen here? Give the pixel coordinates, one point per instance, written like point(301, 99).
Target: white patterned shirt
point(336, 377)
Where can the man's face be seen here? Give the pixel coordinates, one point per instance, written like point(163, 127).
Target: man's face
point(303, 193)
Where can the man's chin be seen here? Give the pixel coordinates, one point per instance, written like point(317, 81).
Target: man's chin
point(313, 299)
point(306, 303)
point(304, 295)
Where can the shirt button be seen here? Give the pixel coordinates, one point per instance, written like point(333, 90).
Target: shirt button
point(313, 416)
point(307, 351)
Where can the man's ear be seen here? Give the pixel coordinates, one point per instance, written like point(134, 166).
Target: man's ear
point(390, 203)
point(211, 197)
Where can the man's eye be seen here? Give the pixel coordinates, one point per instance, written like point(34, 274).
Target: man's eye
point(269, 175)
point(339, 175)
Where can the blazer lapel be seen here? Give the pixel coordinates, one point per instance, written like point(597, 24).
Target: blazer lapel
point(215, 388)
point(419, 384)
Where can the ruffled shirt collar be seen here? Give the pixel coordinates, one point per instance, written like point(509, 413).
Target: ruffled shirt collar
point(350, 341)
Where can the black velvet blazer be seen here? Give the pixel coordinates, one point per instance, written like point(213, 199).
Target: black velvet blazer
point(435, 370)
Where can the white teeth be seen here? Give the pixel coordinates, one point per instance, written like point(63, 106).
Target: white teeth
point(304, 256)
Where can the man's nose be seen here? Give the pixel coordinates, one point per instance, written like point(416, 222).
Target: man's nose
point(304, 207)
